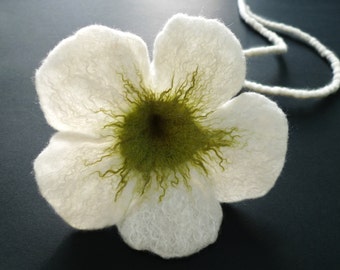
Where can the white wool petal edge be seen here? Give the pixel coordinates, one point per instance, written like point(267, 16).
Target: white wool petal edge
point(75, 190)
point(82, 75)
point(184, 222)
point(254, 165)
point(189, 43)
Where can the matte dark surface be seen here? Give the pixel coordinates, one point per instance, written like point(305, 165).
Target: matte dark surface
point(296, 226)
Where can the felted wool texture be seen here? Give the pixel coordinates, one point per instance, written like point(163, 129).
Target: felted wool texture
point(183, 223)
point(74, 190)
point(187, 43)
point(253, 166)
point(81, 75)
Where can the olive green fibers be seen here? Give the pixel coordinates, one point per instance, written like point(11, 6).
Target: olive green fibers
point(162, 136)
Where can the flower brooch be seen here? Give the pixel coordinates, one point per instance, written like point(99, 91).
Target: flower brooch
point(154, 148)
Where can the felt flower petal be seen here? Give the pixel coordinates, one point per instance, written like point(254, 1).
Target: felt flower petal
point(182, 223)
point(73, 187)
point(189, 43)
point(83, 74)
point(255, 164)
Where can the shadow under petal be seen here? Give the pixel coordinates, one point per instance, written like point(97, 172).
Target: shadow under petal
point(98, 249)
point(243, 244)
point(240, 245)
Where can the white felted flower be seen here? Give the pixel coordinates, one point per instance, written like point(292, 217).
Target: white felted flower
point(154, 147)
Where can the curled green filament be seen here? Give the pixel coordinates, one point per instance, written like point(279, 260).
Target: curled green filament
point(163, 135)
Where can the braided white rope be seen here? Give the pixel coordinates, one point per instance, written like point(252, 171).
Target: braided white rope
point(262, 26)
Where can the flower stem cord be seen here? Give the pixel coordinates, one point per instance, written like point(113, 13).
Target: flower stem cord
point(264, 27)
point(154, 147)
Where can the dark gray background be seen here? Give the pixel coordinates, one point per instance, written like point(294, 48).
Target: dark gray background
point(296, 226)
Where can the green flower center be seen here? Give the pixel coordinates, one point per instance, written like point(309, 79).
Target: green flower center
point(163, 135)
point(158, 135)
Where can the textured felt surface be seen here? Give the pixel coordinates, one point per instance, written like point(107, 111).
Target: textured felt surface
point(294, 227)
point(182, 224)
point(253, 166)
point(88, 73)
point(79, 77)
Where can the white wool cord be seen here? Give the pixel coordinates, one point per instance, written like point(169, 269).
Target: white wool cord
point(264, 27)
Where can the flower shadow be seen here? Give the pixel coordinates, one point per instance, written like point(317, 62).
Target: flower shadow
point(245, 243)
point(239, 246)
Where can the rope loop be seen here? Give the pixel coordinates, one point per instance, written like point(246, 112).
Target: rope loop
point(269, 30)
